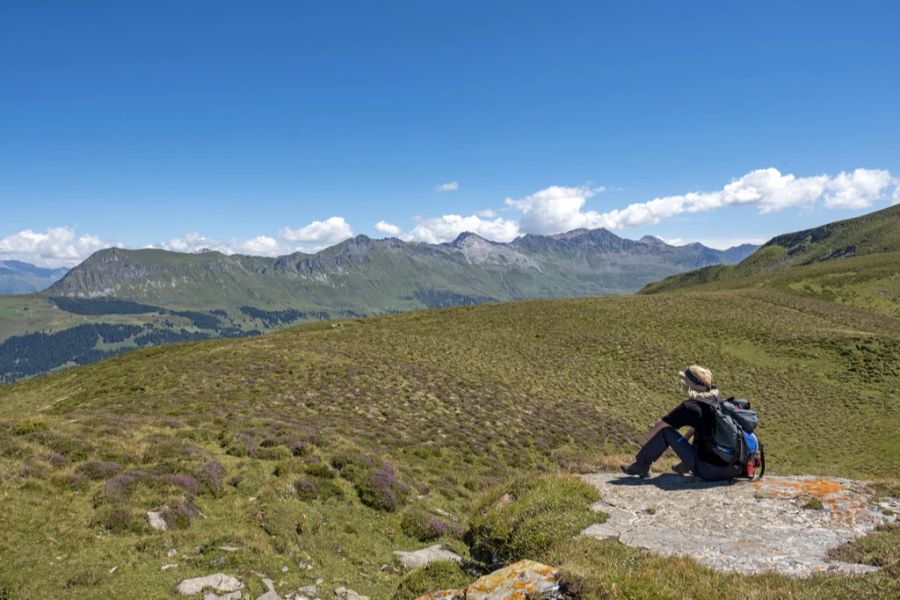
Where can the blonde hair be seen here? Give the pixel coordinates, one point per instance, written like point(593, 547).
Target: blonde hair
point(712, 394)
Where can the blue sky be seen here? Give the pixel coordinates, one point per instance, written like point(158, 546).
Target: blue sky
point(264, 127)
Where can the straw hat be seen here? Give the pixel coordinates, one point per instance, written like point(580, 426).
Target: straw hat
point(697, 378)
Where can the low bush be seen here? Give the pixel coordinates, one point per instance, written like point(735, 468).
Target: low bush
point(424, 527)
point(439, 575)
point(527, 517)
point(382, 490)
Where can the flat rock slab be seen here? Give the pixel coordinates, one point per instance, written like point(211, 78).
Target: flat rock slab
point(426, 556)
point(746, 527)
point(216, 583)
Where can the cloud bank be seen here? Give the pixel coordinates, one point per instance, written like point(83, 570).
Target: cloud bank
point(58, 246)
point(550, 210)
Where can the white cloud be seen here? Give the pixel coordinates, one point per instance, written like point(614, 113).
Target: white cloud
point(58, 246)
point(895, 198)
point(447, 227)
point(260, 245)
point(320, 233)
point(857, 189)
point(556, 209)
point(388, 228)
point(450, 186)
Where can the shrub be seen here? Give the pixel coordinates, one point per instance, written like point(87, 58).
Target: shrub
point(418, 524)
point(98, 469)
point(319, 470)
point(117, 518)
point(29, 427)
point(526, 517)
point(439, 575)
point(321, 489)
point(210, 474)
point(352, 467)
point(180, 513)
point(381, 489)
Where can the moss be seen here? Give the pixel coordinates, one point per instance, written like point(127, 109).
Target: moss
point(439, 575)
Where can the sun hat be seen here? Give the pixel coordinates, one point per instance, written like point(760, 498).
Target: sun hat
point(697, 378)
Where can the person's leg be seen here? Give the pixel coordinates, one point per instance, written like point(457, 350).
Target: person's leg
point(654, 448)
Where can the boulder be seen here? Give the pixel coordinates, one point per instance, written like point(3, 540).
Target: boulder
point(524, 579)
point(219, 583)
point(425, 556)
point(156, 520)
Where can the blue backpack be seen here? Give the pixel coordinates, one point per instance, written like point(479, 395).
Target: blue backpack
point(733, 438)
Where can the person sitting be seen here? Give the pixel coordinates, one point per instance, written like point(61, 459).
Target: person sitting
point(697, 413)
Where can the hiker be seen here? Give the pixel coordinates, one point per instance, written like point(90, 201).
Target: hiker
point(697, 413)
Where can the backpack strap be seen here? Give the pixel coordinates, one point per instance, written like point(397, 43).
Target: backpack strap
point(762, 460)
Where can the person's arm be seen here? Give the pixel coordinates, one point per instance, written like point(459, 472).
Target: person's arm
point(660, 425)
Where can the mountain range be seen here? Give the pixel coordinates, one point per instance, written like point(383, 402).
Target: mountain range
point(120, 299)
point(17, 277)
point(366, 275)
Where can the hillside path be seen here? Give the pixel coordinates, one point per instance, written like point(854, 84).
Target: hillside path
point(745, 527)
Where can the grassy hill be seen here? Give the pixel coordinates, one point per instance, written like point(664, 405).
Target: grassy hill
point(155, 296)
point(863, 282)
point(320, 447)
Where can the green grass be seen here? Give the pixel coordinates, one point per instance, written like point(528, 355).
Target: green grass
point(453, 401)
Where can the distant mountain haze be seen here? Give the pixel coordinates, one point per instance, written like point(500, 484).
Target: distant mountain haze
point(17, 277)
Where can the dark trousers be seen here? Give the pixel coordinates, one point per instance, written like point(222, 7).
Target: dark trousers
point(670, 438)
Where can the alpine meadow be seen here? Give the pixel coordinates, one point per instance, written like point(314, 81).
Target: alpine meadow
point(469, 300)
point(323, 447)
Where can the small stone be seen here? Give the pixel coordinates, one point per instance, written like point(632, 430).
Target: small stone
point(218, 582)
point(284, 569)
point(156, 520)
point(219, 561)
point(171, 552)
point(226, 596)
point(309, 590)
point(343, 593)
point(168, 566)
point(113, 569)
point(229, 548)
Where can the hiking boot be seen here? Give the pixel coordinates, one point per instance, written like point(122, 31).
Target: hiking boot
point(635, 468)
point(681, 468)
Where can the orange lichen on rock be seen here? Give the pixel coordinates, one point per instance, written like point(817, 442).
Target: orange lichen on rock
point(518, 581)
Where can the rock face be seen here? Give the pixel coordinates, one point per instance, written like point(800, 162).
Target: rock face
point(425, 556)
point(782, 524)
point(518, 581)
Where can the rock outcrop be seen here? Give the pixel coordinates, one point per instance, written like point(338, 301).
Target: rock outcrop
point(426, 556)
point(518, 581)
point(781, 524)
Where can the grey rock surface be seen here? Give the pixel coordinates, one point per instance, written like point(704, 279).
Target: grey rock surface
point(343, 593)
point(425, 556)
point(746, 527)
point(217, 583)
point(156, 520)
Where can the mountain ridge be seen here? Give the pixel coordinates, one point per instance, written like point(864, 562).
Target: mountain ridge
point(19, 277)
point(575, 263)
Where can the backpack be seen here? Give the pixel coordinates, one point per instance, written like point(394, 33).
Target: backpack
point(733, 438)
